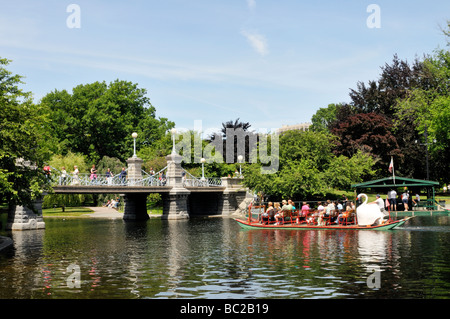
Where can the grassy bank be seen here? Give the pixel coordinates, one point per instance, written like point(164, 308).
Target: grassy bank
point(68, 212)
point(151, 209)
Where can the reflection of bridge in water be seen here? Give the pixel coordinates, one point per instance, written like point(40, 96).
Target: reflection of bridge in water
point(182, 194)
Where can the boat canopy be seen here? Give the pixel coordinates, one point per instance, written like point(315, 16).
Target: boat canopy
point(385, 184)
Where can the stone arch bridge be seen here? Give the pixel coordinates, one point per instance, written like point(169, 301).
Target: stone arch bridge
point(182, 197)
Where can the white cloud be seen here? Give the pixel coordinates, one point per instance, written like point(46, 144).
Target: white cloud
point(257, 41)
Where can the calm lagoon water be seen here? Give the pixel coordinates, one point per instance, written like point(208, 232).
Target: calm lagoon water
point(215, 258)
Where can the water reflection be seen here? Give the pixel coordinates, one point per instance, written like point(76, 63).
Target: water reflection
point(27, 246)
point(215, 258)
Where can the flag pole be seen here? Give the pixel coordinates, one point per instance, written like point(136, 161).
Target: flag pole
point(391, 166)
point(393, 169)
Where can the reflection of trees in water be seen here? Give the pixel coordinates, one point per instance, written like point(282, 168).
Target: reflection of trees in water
point(216, 258)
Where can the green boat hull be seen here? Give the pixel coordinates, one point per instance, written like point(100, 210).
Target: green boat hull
point(391, 225)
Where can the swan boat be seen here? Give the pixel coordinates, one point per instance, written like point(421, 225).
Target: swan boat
point(367, 216)
point(293, 226)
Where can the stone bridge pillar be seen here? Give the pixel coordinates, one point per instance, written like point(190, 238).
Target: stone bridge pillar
point(233, 197)
point(135, 205)
point(175, 203)
point(134, 173)
point(24, 218)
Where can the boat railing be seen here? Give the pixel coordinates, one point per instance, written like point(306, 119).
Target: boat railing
point(254, 213)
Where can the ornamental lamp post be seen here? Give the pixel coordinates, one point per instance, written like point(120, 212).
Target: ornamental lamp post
point(174, 132)
point(240, 158)
point(134, 136)
point(203, 168)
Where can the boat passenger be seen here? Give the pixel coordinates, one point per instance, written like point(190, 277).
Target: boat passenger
point(320, 212)
point(286, 209)
point(291, 202)
point(294, 212)
point(340, 208)
point(278, 213)
point(269, 214)
point(304, 212)
point(305, 209)
point(344, 215)
point(271, 211)
point(329, 210)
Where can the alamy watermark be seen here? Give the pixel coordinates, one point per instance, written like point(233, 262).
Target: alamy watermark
point(261, 146)
point(74, 279)
point(73, 21)
point(374, 19)
point(374, 280)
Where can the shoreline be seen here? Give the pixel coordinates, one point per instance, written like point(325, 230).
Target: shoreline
point(99, 212)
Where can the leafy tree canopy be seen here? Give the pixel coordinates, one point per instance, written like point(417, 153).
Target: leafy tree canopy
point(97, 119)
point(24, 141)
point(308, 168)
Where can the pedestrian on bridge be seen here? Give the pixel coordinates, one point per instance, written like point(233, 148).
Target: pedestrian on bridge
point(123, 176)
point(93, 174)
point(109, 176)
point(76, 178)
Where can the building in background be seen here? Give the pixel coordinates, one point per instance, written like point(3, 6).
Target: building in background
point(300, 127)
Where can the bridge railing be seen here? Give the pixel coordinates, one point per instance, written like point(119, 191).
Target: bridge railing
point(82, 179)
point(191, 180)
point(57, 178)
point(199, 182)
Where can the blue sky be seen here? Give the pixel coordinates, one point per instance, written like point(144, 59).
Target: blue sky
point(270, 63)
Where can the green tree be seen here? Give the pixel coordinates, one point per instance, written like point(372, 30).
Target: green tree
point(307, 168)
point(24, 141)
point(322, 119)
point(114, 164)
point(68, 161)
point(429, 110)
point(97, 119)
point(342, 171)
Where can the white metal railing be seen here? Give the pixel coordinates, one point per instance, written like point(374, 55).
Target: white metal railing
point(190, 180)
point(159, 178)
point(87, 179)
point(57, 178)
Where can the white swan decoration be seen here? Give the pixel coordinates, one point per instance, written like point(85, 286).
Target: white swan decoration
point(368, 214)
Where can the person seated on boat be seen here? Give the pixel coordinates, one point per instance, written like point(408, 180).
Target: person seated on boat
point(291, 202)
point(343, 216)
point(271, 212)
point(338, 212)
point(304, 212)
point(265, 217)
point(340, 208)
point(294, 212)
point(320, 212)
point(286, 209)
point(278, 213)
point(329, 210)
